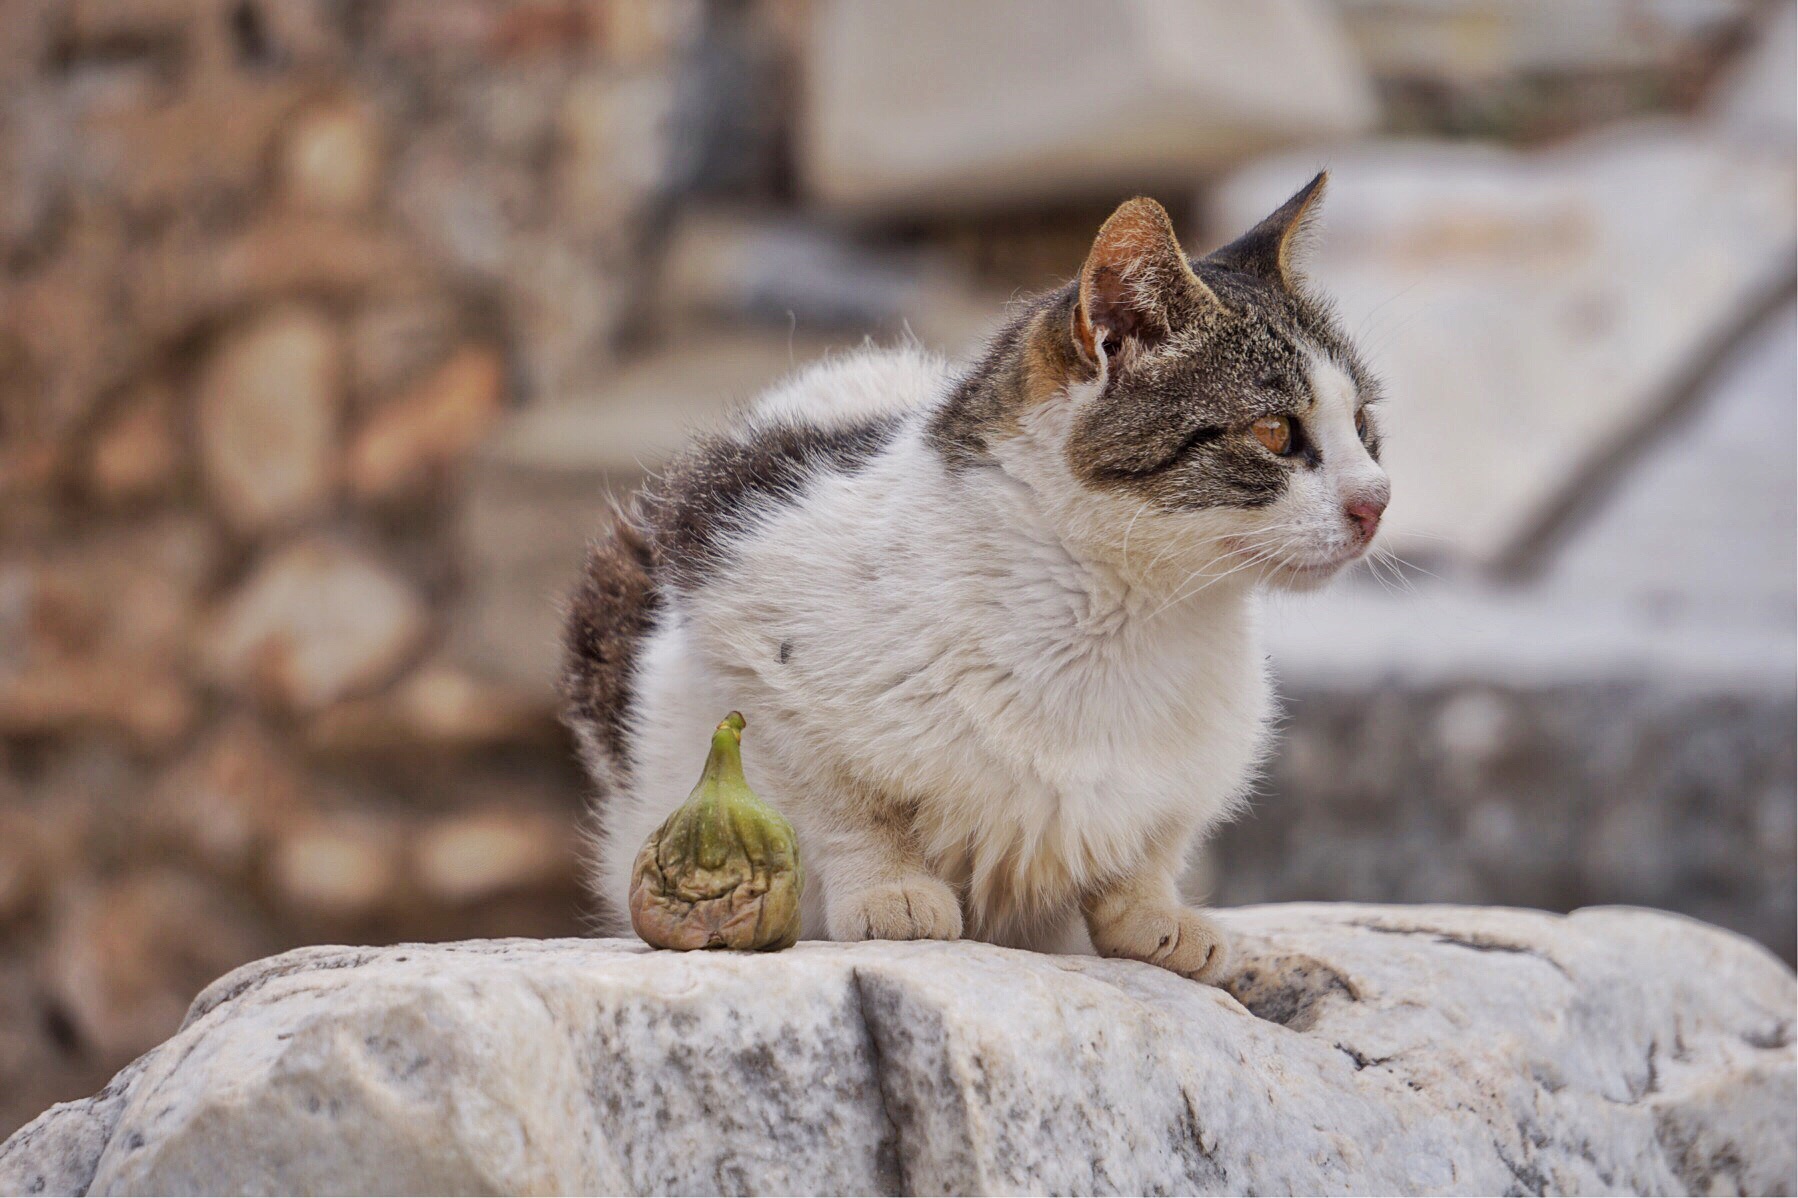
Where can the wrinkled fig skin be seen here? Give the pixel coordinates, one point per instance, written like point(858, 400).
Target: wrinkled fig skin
point(723, 871)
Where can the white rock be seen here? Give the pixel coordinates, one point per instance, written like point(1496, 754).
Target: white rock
point(331, 159)
point(1471, 41)
point(475, 857)
point(430, 427)
point(343, 868)
point(1529, 312)
point(268, 411)
point(932, 105)
point(1755, 102)
point(317, 622)
point(1381, 1049)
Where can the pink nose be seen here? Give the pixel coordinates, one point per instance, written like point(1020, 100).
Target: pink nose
point(1364, 515)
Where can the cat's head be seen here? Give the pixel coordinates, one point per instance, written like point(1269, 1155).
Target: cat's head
point(1197, 419)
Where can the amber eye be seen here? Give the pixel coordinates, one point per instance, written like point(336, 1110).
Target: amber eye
point(1275, 432)
point(1361, 423)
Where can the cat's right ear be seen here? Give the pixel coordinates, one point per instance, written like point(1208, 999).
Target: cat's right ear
point(1137, 285)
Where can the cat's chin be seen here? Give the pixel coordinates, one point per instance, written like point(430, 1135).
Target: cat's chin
point(1309, 576)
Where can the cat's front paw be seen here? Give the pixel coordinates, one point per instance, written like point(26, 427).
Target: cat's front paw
point(1186, 941)
point(918, 907)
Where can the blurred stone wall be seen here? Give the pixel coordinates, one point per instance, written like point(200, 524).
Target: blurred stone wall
point(272, 269)
point(325, 326)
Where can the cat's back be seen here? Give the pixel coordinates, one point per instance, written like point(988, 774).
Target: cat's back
point(851, 387)
point(831, 416)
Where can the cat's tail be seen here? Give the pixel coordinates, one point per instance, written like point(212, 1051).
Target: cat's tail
point(610, 614)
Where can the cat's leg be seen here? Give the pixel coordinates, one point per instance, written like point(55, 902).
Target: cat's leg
point(876, 883)
point(1141, 916)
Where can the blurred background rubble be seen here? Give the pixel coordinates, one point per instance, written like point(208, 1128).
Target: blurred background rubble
point(326, 326)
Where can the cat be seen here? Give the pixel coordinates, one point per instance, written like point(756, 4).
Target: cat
point(993, 628)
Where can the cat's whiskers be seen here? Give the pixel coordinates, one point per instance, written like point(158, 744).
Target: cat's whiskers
point(1367, 327)
point(1259, 551)
point(1131, 525)
point(1260, 558)
point(1374, 562)
point(1246, 541)
point(1395, 565)
point(1409, 565)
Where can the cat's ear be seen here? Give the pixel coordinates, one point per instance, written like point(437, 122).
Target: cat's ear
point(1270, 250)
point(1137, 284)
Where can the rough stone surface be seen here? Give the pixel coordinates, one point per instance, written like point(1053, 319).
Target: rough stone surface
point(137, 455)
point(332, 159)
point(1659, 795)
point(316, 623)
point(1756, 101)
point(268, 410)
point(110, 965)
point(429, 427)
point(340, 868)
point(900, 115)
point(1471, 40)
point(1358, 1049)
point(437, 709)
point(470, 858)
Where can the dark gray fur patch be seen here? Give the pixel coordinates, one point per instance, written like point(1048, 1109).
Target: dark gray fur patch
point(990, 392)
point(719, 486)
point(612, 610)
point(676, 534)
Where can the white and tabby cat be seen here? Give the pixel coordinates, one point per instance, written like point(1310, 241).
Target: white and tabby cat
point(992, 627)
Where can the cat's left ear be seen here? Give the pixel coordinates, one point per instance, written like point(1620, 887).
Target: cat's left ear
point(1137, 285)
point(1270, 250)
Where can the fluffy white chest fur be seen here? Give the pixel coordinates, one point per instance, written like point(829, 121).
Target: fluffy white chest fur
point(909, 642)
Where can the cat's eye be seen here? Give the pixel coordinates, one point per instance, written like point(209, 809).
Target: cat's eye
point(1361, 423)
point(1275, 432)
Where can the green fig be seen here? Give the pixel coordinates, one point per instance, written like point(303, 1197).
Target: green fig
point(723, 871)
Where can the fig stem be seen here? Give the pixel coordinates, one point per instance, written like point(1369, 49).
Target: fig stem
point(725, 761)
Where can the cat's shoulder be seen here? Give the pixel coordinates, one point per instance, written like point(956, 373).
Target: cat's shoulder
point(833, 415)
